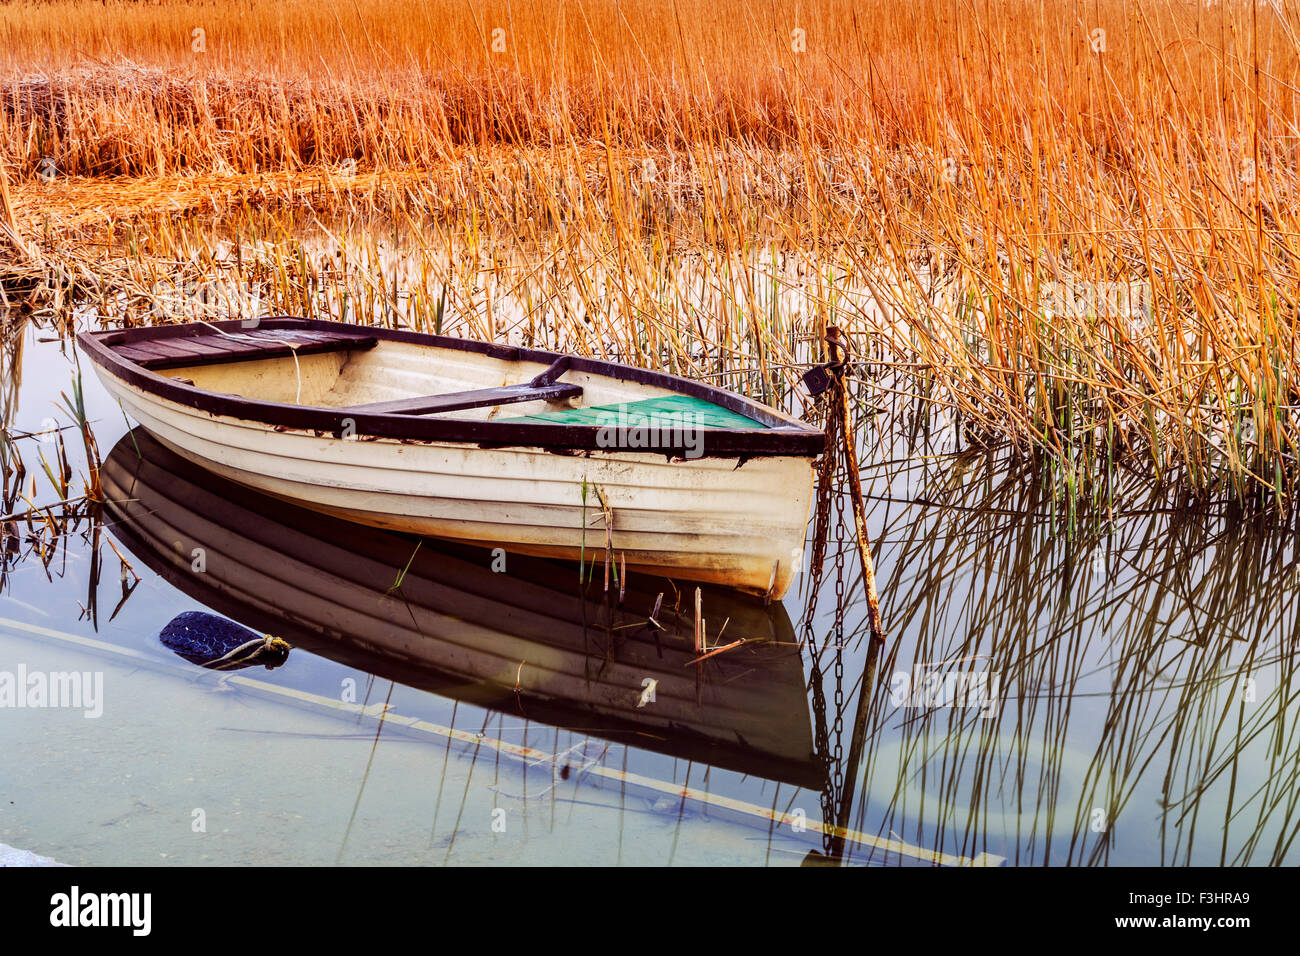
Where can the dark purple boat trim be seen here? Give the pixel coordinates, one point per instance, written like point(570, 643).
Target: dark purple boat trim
point(782, 436)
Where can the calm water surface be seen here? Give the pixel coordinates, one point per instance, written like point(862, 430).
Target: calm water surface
point(1116, 696)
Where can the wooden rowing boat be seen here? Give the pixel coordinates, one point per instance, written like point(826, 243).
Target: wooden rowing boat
point(523, 638)
point(535, 452)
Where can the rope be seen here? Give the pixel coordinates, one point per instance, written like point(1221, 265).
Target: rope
point(293, 350)
point(257, 647)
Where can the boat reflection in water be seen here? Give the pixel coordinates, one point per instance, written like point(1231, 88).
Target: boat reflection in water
point(502, 631)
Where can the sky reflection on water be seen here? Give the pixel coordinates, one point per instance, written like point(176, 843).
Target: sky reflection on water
point(1127, 687)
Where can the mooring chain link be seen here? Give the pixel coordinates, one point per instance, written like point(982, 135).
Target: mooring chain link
point(821, 742)
point(830, 505)
point(815, 575)
point(838, 636)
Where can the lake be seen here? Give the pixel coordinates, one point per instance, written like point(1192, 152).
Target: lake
point(1112, 688)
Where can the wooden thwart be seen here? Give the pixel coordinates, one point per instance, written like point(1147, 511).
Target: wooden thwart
point(475, 398)
point(542, 387)
point(241, 346)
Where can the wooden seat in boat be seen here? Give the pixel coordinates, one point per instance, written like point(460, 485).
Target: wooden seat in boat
point(241, 346)
point(543, 387)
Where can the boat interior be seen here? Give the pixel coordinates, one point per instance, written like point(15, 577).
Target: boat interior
point(370, 375)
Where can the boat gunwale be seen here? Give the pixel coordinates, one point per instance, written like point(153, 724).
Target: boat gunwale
point(783, 436)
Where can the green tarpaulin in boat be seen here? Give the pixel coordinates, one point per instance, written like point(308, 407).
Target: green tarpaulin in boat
point(667, 412)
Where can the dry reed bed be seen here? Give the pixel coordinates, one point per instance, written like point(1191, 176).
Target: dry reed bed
point(946, 180)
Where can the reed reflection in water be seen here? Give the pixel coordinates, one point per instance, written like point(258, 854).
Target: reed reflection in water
point(1122, 693)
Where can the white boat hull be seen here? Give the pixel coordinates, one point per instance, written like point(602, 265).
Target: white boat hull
point(729, 521)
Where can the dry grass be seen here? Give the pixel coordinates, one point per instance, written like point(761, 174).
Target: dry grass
point(648, 180)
